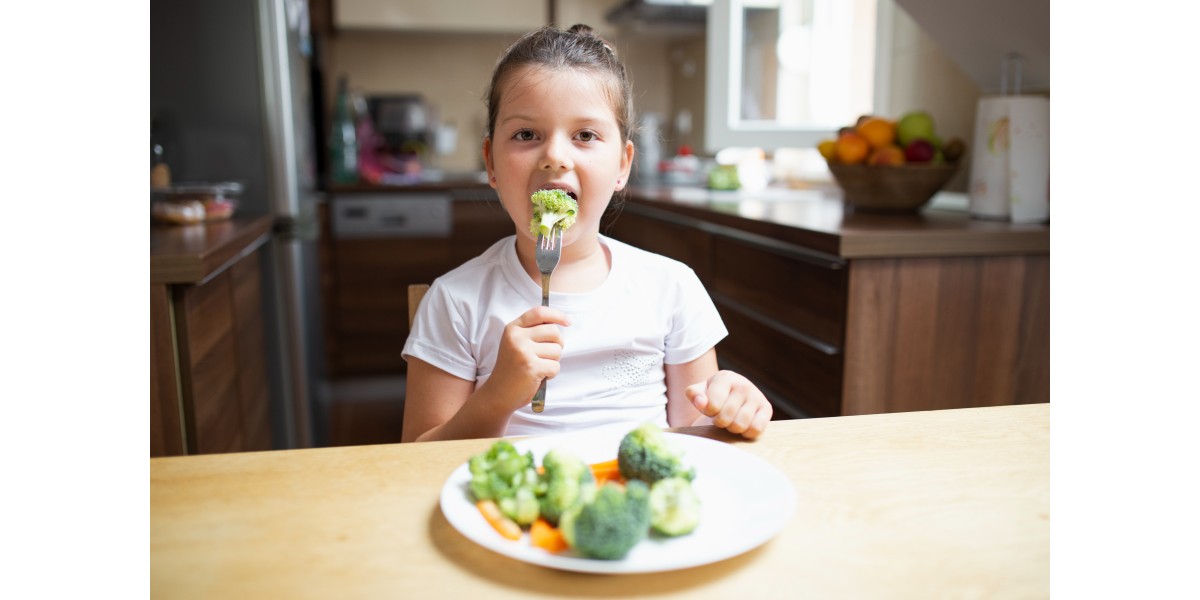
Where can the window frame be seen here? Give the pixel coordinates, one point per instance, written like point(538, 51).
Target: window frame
point(723, 127)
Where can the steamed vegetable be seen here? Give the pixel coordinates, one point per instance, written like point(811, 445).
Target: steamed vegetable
point(645, 454)
point(613, 523)
point(552, 209)
point(674, 507)
point(567, 481)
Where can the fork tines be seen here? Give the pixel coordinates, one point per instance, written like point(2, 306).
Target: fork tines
point(550, 241)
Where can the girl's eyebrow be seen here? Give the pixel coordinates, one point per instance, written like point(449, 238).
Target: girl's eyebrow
point(517, 117)
point(586, 120)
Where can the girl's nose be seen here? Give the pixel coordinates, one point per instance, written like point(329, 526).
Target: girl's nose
point(557, 156)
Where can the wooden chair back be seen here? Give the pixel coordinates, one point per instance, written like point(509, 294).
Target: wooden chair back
point(416, 291)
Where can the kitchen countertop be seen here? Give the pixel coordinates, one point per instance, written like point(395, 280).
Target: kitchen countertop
point(950, 503)
point(194, 253)
point(817, 219)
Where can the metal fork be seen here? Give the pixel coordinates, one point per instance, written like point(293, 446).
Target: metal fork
point(549, 251)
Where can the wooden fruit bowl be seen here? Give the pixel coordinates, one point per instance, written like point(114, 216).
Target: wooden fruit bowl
point(903, 188)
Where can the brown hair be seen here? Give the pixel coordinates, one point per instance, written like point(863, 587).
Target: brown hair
point(576, 48)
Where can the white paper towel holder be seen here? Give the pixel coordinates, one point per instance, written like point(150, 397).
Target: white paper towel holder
point(1003, 185)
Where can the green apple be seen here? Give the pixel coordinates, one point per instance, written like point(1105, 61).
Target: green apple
point(916, 125)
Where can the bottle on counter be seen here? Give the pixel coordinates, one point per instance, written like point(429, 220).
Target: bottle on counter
point(160, 172)
point(343, 139)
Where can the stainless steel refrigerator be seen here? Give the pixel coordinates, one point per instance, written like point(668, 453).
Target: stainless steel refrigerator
point(233, 98)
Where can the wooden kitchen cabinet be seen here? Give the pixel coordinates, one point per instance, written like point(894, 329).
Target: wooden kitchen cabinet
point(208, 375)
point(365, 279)
point(476, 16)
point(839, 314)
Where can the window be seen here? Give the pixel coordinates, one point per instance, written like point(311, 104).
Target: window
point(788, 73)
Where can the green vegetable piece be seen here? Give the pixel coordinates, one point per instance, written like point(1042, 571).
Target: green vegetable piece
point(613, 523)
point(566, 481)
point(645, 454)
point(508, 477)
point(522, 507)
point(552, 209)
point(674, 507)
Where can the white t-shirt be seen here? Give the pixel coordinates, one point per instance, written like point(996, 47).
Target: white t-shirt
point(650, 311)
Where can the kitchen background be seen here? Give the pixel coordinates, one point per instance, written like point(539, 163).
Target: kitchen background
point(211, 61)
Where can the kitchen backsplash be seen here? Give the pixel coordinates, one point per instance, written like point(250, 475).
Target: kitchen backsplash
point(452, 70)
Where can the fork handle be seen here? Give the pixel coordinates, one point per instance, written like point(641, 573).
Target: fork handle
point(539, 398)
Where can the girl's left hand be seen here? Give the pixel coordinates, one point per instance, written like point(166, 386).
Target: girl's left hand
point(732, 402)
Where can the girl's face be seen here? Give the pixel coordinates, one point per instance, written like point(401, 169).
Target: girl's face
point(556, 129)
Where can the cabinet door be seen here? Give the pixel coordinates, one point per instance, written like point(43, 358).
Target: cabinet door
point(785, 315)
point(166, 427)
point(483, 16)
point(222, 361)
point(947, 332)
point(365, 283)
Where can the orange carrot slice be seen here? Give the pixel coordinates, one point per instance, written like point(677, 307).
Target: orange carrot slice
point(502, 524)
point(546, 536)
point(606, 471)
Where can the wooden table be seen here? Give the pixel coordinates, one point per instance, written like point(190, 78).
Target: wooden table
point(938, 504)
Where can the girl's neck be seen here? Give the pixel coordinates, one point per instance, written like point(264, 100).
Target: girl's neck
point(584, 265)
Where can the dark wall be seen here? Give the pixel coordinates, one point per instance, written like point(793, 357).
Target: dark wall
point(205, 94)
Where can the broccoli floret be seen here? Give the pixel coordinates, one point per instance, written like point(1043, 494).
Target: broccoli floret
point(645, 454)
point(674, 506)
point(613, 523)
point(510, 478)
point(522, 507)
point(567, 481)
point(552, 209)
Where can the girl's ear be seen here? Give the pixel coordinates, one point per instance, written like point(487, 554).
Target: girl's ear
point(487, 161)
point(626, 164)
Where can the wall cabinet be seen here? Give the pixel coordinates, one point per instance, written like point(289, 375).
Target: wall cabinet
point(478, 16)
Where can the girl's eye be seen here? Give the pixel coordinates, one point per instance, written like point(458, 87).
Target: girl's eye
point(587, 136)
point(523, 135)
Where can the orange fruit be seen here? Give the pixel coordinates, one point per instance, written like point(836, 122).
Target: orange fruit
point(886, 156)
point(879, 132)
point(827, 148)
point(852, 148)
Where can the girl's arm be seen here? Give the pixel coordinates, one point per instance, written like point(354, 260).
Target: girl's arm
point(436, 407)
point(698, 393)
point(440, 406)
point(680, 411)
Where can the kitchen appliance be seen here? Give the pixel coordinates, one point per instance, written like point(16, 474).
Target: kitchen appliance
point(235, 83)
point(404, 121)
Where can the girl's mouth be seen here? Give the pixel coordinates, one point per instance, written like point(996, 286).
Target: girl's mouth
point(569, 191)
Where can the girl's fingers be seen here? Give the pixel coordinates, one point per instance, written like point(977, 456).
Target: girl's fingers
point(541, 315)
point(734, 401)
point(548, 350)
point(759, 423)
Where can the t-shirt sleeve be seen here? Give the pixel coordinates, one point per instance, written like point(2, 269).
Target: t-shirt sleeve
point(439, 335)
point(696, 324)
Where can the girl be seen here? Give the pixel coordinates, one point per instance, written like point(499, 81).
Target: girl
point(629, 336)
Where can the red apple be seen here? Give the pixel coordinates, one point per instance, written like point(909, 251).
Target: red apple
point(919, 151)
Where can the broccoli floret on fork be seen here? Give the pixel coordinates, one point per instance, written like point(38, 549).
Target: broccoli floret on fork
point(552, 209)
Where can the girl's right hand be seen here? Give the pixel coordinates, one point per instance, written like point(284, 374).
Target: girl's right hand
point(530, 349)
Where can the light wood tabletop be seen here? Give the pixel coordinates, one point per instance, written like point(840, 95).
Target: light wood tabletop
point(938, 504)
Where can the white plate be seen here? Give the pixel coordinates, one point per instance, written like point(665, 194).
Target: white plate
point(745, 501)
